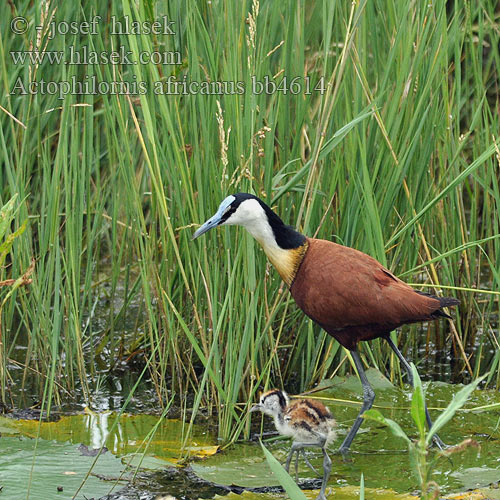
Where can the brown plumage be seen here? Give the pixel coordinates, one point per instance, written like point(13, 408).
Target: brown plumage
point(348, 293)
point(363, 300)
point(300, 419)
point(307, 415)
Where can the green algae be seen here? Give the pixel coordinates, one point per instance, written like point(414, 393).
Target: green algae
point(122, 435)
point(381, 457)
point(376, 453)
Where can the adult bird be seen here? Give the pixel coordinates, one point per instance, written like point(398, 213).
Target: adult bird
point(348, 293)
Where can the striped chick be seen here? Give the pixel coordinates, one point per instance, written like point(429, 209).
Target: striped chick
point(308, 422)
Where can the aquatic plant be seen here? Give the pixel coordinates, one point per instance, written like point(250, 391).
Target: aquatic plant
point(422, 461)
point(391, 148)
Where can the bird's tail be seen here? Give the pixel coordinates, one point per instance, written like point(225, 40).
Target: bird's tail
point(443, 302)
point(448, 301)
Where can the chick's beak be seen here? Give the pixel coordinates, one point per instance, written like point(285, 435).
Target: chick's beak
point(256, 407)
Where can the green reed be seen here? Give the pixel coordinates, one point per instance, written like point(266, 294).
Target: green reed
point(395, 157)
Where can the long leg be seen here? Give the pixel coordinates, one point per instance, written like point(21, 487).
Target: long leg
point(321, 443)
point(309, 464)
point(327, 467)
point(306, 460)
point(407, 367)
point(327, 463)
point(368, 397)
point(298, 447)
point(289, 458)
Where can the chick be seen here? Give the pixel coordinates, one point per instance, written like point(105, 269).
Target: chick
point(308, 422)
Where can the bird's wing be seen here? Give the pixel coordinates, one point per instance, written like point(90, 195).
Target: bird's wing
point(340, 287)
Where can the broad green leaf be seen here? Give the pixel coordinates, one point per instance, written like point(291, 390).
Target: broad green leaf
point(129, 436)
point(378, 417)
point(7, 426)
point(340, 493)
point(137, 460)
point(459, 399)
point(476, 477)
point(377, 380)
point(240, 465)
point(418, 402)
point(55, 465)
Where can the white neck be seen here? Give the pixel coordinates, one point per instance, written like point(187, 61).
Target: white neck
point(261, 230)
point(253, 218)
point(282, 260)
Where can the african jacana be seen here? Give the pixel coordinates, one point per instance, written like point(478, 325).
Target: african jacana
point(348, 293)
point(307, 421)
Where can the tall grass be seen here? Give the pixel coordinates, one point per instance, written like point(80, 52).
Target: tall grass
point(396, 157)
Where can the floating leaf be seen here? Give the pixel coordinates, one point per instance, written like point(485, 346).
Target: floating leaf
point(342, 493)
point(55, 465)
point(136, 460)
point(7, 426)
point(127, 437)
point(377, 380)
point(237, 468)
point(474, 477)
point(202, 451)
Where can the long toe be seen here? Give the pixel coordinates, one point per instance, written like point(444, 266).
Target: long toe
point(321, 496)
point(439, 443)
point(345, 452)
point(309, 464)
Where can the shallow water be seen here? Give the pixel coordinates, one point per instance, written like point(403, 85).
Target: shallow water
point(197, 471)
point(142, 464)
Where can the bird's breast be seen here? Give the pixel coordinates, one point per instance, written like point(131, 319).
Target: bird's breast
point(286, 261)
